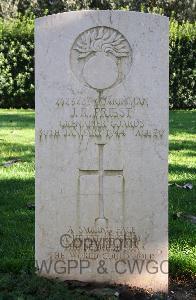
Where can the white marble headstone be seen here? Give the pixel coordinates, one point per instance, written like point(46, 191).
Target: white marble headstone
point(101, 147)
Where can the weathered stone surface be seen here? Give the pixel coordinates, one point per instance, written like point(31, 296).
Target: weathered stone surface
point(101, 147)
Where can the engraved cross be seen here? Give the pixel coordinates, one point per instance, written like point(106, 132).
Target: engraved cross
point(101, 220)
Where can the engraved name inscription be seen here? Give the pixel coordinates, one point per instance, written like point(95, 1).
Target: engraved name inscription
point(103, 116)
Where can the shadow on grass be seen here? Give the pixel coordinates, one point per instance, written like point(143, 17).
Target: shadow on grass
point(182, 122)
point(26, 285)
point(176, 145)
point(24, 152)
point(180, 169)
point(16, 224)
point(15, 191)
point(17, 121)
point(191, 154)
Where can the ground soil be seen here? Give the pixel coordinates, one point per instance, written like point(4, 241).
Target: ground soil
point(179, 289)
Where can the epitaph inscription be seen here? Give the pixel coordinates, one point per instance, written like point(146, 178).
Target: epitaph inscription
point(101, 147)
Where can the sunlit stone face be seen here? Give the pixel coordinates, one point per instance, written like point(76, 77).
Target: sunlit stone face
point(101, 147)
point(100, 72)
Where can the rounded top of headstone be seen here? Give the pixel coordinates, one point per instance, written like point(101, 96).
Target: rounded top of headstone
point(115, 12)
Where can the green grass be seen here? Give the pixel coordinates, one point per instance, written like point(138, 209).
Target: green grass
point(27, 286)
point(17, 190)
point(182, 169)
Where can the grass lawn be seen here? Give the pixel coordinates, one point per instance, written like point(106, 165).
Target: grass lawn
point(17, 191)
point(182, 169)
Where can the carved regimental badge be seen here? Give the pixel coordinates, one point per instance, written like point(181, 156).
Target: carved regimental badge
point(101, 57)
